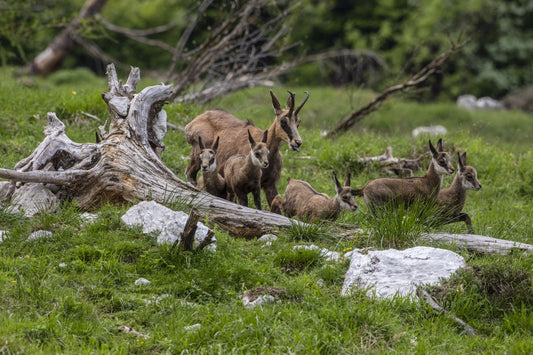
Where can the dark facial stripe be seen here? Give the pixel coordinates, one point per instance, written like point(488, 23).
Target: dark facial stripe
point(285, 126)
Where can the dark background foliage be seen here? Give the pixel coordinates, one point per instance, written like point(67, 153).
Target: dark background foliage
point(405, 34)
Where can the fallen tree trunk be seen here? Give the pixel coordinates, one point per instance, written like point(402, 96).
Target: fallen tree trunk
point(480, 243)
point(54, 54)
point(125, 166)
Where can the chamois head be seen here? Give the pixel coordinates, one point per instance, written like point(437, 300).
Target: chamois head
point(259, 151)
point(208, 156)
point(345, 194)
point(441, 159)
point(467, 174)
point(287, 120)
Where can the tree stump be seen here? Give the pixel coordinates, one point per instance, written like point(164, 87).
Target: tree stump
point(125, 166)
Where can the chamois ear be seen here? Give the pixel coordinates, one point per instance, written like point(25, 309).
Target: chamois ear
point(275, 103)
point(347, 181)
point(200, 143)
point(215, 145)
point(338, 186)
point(439, 145)
point(265, 136)
point(463, 161)
point(251, 140)
point(433, 150)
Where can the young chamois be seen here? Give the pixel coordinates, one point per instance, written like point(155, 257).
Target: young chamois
point(384, 192)
point(452, 200)
point(243, 172)
point(232, 133)
point(210, 180)
point(306, 203)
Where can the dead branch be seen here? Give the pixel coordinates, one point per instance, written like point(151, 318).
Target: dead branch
point(413, 81)
point(54, 54)
point(433, 304)
point(401, 167)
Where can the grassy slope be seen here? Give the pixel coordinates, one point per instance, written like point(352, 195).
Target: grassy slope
point(79, 308)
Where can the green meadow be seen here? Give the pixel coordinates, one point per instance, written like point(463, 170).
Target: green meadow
point(74, 292)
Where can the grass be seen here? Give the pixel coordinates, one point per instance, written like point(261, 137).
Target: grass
point(75, 292)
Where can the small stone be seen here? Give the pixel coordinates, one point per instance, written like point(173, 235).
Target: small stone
point(142, 281)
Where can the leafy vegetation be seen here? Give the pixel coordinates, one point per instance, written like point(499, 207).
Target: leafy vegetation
point(75, 291)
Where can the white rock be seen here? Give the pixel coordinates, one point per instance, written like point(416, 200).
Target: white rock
point(62, 265)
point(154, 217)
point(4, 189)
point(259, 301)
point(391, 272)
point(483, 103)
point(141, 281)
point(3, 235)
point(431, 130)
point(193, 327)
point(268, 238)
point(39, 235)
point(159, 126)
point(33, 198)
point(87, 217)
point(325, 253)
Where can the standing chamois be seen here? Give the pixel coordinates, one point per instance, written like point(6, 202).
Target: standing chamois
point(210, 180)
point(384, 192)
point(452, 200)
point(306, 203)
point(232, 133)
point(243, 172)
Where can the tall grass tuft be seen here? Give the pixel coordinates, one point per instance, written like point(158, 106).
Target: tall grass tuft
point(309, 231)
point(400, 227)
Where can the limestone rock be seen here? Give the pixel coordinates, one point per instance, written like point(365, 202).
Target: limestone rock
point(33, 198)
point(391, 272)
point(154, 217)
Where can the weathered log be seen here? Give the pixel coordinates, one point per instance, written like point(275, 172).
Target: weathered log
point(480, 243)
point(125, 166)
point(401, 167)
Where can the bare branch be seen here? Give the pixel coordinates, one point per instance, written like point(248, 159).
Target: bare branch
point(63, 178)
point(413, 81)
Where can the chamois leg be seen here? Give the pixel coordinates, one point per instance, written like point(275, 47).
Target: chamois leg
point(242, 199)
point(271, 192)
point(257, 198)
point(466, 218)
point(192, 169)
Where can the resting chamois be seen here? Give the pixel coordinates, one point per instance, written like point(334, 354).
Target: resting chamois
point(384, 192)
point(306, 203)
point(243, 172)
point(232, 133)
point(452, 200)
point(211, 180)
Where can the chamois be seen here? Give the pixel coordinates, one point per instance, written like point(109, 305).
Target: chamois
point(452, 200)
point(211, 180)
point(305, 202)
point(243, 172)
point(393, 192)
point(232, 133)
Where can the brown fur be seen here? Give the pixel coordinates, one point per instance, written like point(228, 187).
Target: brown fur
point(232, 133)
point(452, 200)
point(243, 172)
point(305, 202)
point(392, 192)
point(210, 180)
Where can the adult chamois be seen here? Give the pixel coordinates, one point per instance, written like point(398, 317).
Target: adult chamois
point(305, 202)
point(385, 192)
point(452, 200)
point(233, 139)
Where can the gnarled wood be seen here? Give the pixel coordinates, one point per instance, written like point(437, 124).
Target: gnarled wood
point(125, 166)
